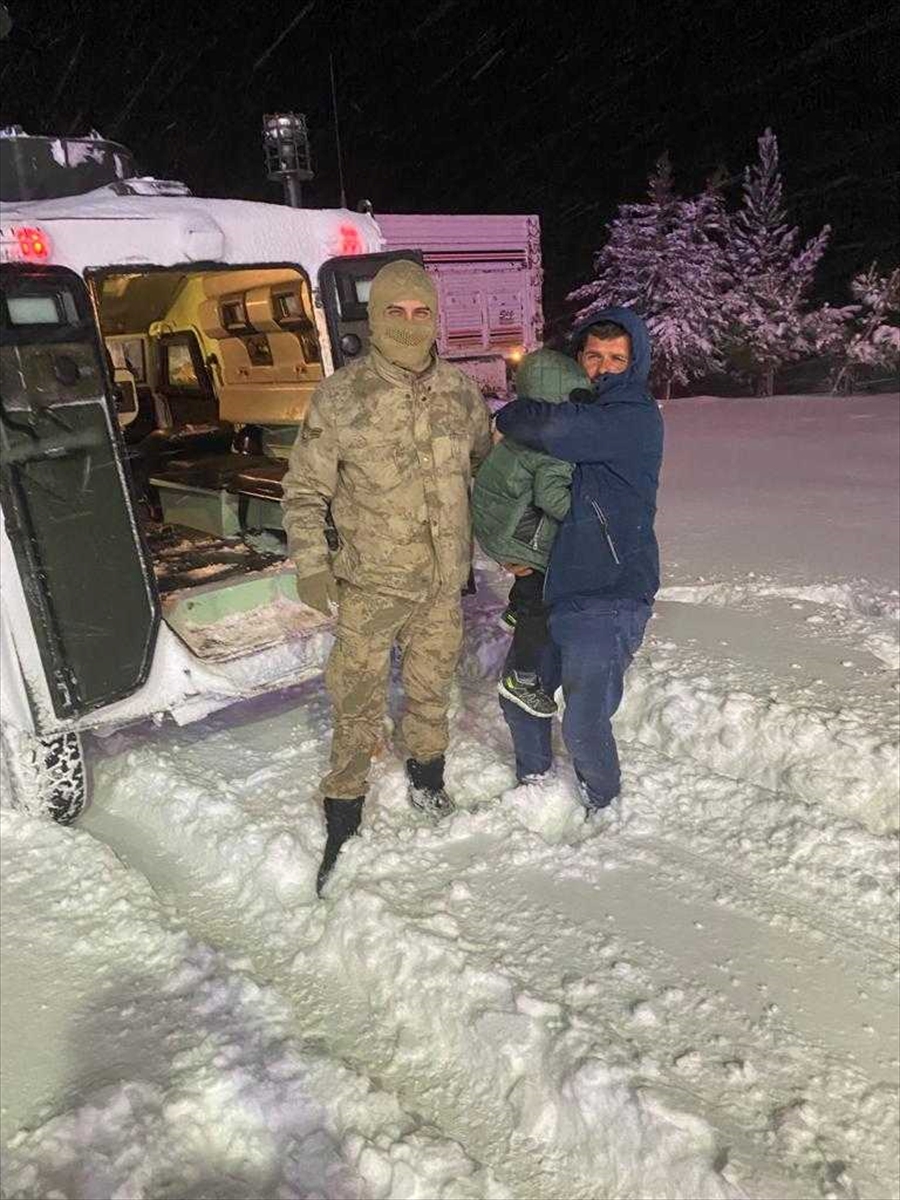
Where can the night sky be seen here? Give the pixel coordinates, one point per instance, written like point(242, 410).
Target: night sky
point(486, 106)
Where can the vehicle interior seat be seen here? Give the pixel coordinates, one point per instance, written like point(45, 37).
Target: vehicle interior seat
point(225, 471)
point(181, 440)
point(260, 477)
point(245, 478)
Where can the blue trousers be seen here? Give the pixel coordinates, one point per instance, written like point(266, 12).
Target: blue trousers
point(592, 642)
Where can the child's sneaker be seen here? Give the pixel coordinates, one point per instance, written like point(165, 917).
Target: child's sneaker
point(525, 691)
point(508, 618)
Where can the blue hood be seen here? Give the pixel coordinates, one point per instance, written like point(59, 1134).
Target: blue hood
point(633, 383)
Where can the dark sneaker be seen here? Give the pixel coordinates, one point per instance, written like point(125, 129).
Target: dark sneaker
point(426, 788)
point(342, 818)
point(528, 695)
point(508, 618)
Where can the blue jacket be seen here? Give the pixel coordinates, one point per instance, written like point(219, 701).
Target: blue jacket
point(606, 545)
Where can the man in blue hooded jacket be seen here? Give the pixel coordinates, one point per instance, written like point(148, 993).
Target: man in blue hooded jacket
point(603, 572)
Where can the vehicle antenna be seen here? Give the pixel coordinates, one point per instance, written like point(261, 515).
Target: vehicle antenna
point(337, 132)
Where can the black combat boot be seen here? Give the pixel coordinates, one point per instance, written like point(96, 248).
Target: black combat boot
point(426, 787)
point(342, 818)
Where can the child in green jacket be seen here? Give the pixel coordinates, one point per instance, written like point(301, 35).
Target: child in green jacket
point(520, 497)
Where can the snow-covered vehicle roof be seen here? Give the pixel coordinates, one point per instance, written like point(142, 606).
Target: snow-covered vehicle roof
point(104, 229)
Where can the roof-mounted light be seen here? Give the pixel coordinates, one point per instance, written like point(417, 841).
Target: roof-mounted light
point(286, 144)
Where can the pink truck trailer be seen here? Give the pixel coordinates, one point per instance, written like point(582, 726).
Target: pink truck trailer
point(489, 276)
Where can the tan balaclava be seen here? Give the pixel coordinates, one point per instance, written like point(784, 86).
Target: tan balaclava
point(405, 343)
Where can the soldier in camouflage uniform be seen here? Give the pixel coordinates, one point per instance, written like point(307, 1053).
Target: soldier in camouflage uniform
point(389, 443)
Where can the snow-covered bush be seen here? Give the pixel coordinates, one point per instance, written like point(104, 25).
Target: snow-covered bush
point(869, 331)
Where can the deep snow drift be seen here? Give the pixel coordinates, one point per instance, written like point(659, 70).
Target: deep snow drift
point(695, 998)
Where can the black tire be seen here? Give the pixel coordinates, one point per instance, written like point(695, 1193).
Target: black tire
point(45, 776)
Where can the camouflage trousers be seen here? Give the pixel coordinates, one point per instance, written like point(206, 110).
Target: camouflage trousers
point(429, 635)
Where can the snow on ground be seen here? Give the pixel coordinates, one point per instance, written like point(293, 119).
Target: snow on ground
point(694, 997)
point(162, 1069)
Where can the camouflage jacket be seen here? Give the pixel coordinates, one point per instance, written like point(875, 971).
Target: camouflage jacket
point(393, 454)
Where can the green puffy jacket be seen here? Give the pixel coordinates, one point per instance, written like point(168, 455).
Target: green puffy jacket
point(520, 497)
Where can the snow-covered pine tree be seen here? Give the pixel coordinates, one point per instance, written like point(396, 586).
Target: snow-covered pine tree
point(769, 277)
point(626, 268)
point(662, 259)
point(870, 336)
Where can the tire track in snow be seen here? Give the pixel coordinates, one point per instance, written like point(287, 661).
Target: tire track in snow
point(425, 1048)
point(747, 894)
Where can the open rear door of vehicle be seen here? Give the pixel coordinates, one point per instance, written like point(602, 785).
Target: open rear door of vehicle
point(67, 502)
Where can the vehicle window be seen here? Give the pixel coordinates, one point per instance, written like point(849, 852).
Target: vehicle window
point(363, 288)
point(180, 370)
point(47, 354)
point(56, 309)
point(234, 316)
point(128, 355)
point(289, 306)
point(32, 310)
point(353, 296)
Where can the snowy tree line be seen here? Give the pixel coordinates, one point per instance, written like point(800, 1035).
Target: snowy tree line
point(729, 291)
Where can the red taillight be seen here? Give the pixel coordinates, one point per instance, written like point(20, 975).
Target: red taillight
point(351, 242)
point(33, 243)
